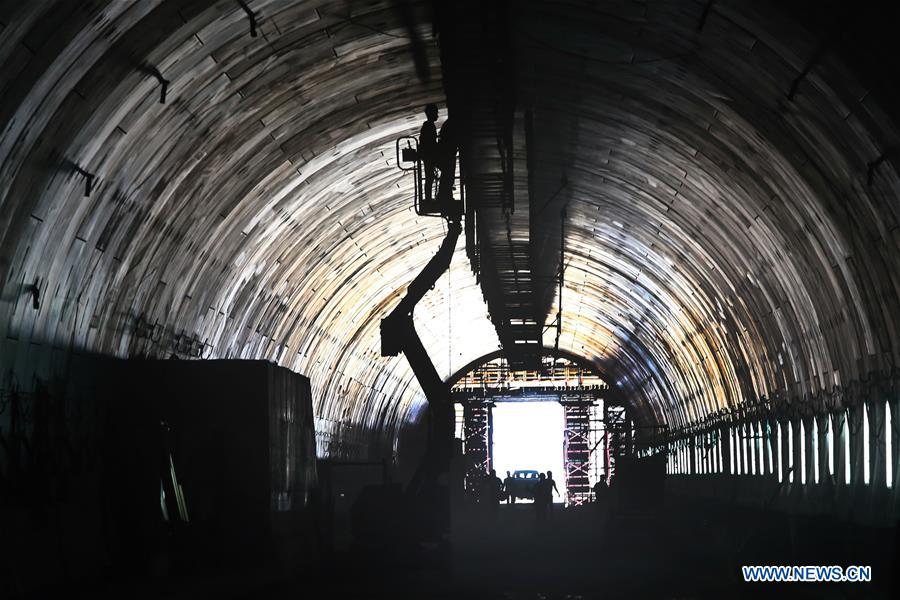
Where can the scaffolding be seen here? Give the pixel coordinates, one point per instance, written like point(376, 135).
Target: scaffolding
point(498, 374)
point(597, 443)
point(580, 392)
point(477, 441)
point(618, 436)
point(577, 452)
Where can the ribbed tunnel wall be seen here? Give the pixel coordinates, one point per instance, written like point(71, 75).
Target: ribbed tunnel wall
point(256, 214)
point(724, 242)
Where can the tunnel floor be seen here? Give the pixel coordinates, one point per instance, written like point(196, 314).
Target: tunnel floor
point(683, 550)
point(686, 550)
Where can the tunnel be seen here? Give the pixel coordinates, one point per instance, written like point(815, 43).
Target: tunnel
point(676, 218)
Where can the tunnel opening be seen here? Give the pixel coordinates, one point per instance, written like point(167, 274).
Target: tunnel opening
point(527, 438)
point(519, 423)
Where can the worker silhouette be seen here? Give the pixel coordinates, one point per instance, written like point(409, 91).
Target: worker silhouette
point(428, 148)
point(551, 487)
point(448, 144)
point(601, 502)
point(508, 489)
point(491, 491)
point(600, 492)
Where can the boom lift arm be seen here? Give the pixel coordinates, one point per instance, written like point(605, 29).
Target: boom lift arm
point(398, 334)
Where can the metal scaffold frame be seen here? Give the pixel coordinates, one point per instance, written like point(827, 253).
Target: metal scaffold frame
point(576, 388)
point(597, 442)
point(577, 455)
point(618, 436)
point(477, 441)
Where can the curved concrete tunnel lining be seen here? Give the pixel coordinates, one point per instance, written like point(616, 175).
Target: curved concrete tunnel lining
point(807, 302)
point(716, 303)
point(237, 225)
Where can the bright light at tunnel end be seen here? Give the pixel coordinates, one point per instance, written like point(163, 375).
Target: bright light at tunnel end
point(529, 436)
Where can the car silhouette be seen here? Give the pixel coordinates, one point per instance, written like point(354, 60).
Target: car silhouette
point(523, 484)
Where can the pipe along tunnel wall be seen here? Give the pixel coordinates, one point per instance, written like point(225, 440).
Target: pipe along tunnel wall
point(732, 236)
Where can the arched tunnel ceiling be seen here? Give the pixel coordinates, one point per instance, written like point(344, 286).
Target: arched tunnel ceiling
point(723, 242)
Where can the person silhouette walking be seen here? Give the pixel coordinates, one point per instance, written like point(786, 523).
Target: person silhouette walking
point(551, 487)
